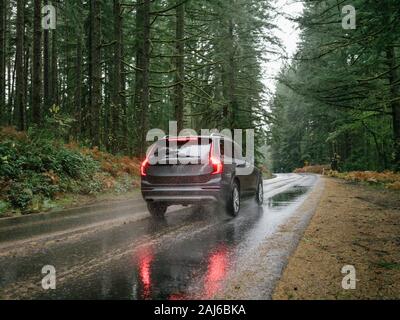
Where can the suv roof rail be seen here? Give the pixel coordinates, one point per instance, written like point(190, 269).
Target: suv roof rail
point(190, 136)
point(217, 135)
point(179, 137)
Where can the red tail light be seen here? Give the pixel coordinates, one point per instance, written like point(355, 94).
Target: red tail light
point(183, 139)
point(143, 167)
point(217, 165)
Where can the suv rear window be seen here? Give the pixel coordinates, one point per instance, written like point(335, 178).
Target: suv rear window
point(197, 150)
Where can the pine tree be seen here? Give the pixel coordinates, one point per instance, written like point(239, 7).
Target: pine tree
point(142, 73)
point(19, 107)
point(2, 61)
point(96, 71)
point(37, 64)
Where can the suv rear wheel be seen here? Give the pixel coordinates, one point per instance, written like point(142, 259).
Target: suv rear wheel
point(157, 210)
point(233, 205)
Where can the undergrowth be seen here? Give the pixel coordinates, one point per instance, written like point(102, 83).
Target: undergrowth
point(36, 168)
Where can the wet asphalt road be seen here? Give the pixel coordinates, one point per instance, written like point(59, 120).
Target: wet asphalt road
point(116, 251)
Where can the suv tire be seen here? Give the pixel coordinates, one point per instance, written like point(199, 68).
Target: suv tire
point(157, 210)
point(233, 204)
point(260, 192)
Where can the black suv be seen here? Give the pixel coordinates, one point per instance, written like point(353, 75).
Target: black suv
point(195, 170)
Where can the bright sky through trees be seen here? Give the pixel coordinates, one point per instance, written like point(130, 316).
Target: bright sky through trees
point(288, 34)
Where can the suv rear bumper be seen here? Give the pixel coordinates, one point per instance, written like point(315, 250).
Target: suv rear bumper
point(182, 194)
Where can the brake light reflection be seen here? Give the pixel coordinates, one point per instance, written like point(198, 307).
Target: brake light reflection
point(146, 258)
point(216, 272)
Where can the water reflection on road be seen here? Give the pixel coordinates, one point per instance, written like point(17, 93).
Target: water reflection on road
point(197, 267)
point(187, 255)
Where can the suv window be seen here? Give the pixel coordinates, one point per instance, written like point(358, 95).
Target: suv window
point(227, 149)
point(166, 149)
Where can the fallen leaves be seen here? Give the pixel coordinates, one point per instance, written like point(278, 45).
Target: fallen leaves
point(317, 169)
point(390, 179)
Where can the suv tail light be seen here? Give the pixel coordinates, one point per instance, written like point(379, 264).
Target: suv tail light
point(143, 167)
point(217, 165)
point(215, 162)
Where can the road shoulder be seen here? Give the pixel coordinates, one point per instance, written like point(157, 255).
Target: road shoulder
point(353, 225)
point(260, 270)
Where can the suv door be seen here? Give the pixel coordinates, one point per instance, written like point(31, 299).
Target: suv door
point(244, 178)
point(253, 179)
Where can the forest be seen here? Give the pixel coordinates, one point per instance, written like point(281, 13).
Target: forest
point(111, 70)
point(341, 92)
point(100, 74)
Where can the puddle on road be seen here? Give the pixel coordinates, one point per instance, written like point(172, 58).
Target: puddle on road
point(287, 197)
point(192, 266)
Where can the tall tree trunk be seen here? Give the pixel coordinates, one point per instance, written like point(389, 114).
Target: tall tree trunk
point(232, 77)
point(46, 69)
point(142, 73)
point(10, 72)
point(394, 80)
point(37, 64)
point(19, 106)
point(116, 100)
point(78, 88)
point(106, 117)
point(180, 65)
point(124, 143)
point(10, 89)
point(86, 118)
point(2, 60)
point(69, 69)
point(229, 78)
point(96, 70)
point(54, 69)
point(28, 89)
